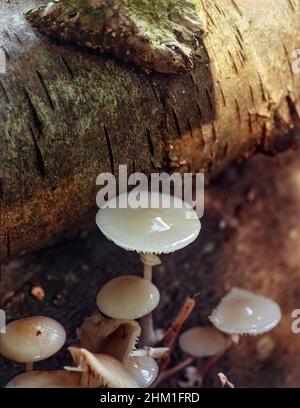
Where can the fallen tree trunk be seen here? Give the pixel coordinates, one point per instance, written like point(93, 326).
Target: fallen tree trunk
point(67, 113)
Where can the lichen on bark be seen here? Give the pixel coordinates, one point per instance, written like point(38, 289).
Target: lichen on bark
point(158, 35)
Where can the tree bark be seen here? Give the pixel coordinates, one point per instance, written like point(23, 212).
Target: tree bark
point(68, 113)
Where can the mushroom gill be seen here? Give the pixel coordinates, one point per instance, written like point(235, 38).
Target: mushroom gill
point(100, 370)
point(116, 338)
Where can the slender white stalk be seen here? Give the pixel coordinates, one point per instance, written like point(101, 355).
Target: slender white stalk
point(148, 272)
point(148, 336)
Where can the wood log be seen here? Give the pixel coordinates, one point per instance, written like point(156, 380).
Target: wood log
point(67, 113)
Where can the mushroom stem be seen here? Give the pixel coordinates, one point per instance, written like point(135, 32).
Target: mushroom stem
point(174, 370)
point(28, 367)
point(149, 260)
point(148, 336)
point(148, 272)
point(235, 338)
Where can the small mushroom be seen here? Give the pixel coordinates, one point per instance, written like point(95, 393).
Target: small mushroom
point(46, 379)
point(198, 342)
point(100, 370)
point(203, 342)
point(32, 339)
point(114, 337)
point(161, 224)
point(128, 297)
point(243, 312)
point(144, 370)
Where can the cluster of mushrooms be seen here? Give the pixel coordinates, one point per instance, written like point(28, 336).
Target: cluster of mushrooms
point(119, 347)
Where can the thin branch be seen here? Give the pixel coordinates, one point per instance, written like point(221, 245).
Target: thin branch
point(175, 328)
point(174, 370)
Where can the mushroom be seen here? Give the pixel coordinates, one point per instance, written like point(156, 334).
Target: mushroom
point(128, 297)
point(100, 370)
point(146, 229)
point(198, 342)
point(32, 339)
point(243, 312)
point(144, 370)
point(46, 379)
point(161, 224)
point(114, 337)
point(203, 342)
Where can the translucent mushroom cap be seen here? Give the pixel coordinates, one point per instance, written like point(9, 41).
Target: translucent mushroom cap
point(244, 312)
point(149, 230)
point(46, 379)
point(32, 339)
point(143, 369)
point(203, 342)
point(128, 297)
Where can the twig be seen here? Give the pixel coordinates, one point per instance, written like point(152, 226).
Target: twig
point(173, 331)
point(224, 381)
point(154, 352)
point(174, 370)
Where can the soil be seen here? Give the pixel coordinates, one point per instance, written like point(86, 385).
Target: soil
point(250, 238)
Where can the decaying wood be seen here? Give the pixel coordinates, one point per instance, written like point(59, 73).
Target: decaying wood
point(67, 114)
point(158, 35)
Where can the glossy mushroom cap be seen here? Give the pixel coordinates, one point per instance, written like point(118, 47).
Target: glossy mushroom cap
point(143, 369)
point(203, 342)
point(244, 312)
point(128, 297)
point(150, 230)
point(32, 339)
point(46, 379)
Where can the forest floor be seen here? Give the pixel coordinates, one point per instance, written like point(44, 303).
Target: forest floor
point(250, 238)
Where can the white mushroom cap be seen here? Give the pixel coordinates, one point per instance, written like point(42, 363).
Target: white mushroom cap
point(150, 230)
point(46, 379)
point(244, 312)
point(128, 297)
point(143, 369)
point(203, 342)
point(32, 339)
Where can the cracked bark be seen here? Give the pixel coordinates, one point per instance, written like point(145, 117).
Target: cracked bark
point(67, 114)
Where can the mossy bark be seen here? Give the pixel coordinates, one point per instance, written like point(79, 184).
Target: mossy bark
point(67, 113)
point(158, 35)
